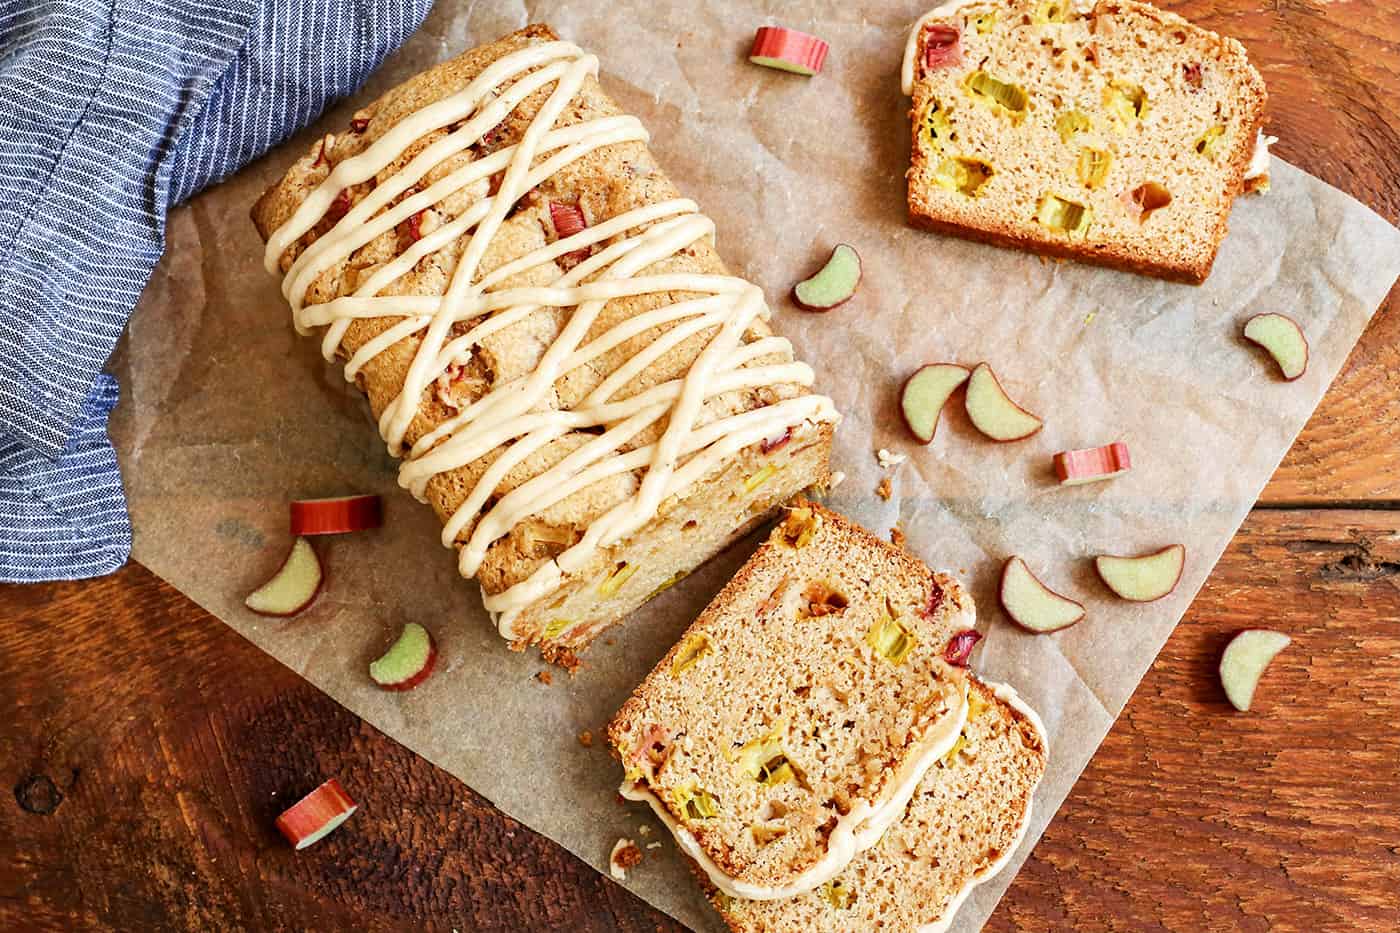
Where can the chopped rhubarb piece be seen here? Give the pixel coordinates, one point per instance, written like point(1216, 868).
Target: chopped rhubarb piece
point(925, 393)
point(1143, 579)
point(942, 47)
point(775, 442)
point(408, 662)
point(1244, 661)
point(413, 226)
point(340, 206)
point(359, 124)
point(321, 153)
point(1092, 464)
point(314, 816)
point(788, 50)
point(960, 647)
point(336, 515)
point(568, 219)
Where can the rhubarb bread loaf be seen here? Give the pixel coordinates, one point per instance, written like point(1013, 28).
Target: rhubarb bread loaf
point(545, 334)
point(1112, 133)
point(961, 827)
point(788, 727)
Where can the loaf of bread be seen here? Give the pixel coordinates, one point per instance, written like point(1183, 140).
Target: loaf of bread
point(1108, 132)
point(787, 729)
point(962, 826)
point(589, 401)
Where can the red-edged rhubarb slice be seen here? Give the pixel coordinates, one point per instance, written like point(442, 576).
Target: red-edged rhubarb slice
point(336, 515)
point(1143, 579)
point(408, 662)
point(993, 412)
point(1092, 464)
point(1283, 338)
point(293, 587)
point(925, 393)
point(1244, 661)
point(1033, 605)
point(834, 284)
point(568, 219)
point(316, 815)
point(788, 50)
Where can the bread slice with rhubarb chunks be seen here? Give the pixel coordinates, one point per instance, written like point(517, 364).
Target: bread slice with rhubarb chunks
point(539, 410)
point(787, 728)
point(1112, 133)
point(962, 826)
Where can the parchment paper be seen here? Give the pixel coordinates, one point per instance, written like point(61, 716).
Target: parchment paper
point(227, 414)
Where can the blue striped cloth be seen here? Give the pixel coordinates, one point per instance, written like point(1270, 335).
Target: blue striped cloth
point(111, 112)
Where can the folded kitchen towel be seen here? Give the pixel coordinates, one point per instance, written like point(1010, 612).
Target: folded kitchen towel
point(111, 112)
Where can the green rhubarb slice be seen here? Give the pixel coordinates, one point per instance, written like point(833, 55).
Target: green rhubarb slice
point(834, 284)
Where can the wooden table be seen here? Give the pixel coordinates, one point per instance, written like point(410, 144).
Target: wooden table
point(144, 737)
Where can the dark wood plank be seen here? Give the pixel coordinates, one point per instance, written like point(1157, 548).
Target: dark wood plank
point(150, 749)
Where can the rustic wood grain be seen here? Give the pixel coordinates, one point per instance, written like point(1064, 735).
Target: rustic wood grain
point(150, 748)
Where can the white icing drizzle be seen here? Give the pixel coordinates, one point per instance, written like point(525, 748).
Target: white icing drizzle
point(1259, 161)
point(516, 412)
point(859, 829)
point(1009, 696)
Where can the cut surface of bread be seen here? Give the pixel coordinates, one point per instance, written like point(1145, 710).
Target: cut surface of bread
point(787, 728)
point(1112, 133)
point(590, 420)
point(962, 826)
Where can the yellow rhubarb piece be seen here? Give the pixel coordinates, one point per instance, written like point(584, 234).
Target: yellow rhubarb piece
point(1062, 215)
point(965, 176)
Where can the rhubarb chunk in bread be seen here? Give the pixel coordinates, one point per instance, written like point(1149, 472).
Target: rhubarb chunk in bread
point(1111, 133)
point(786, 730)
point(587, 398)
point(962, 826)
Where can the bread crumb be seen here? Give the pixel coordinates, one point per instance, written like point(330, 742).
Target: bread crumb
point(653, 845)
point(885, 489)
point(545, 677)
point(837, 478)
point(585, 738)
point(888, 459)
point(624, 855)
point(897, 536)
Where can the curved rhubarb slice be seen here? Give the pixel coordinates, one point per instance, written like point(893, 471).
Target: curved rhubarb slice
point(1033, 605)
point(834, 284)
point(925, 393)
point(788, 50)
point(993, 412)
point(1244, 661)
point(1283, 338)
point(336, 515)
point(408, 662)
point(316, 815)
point(1143, 579)
point(293, 587)
point(1092, 464)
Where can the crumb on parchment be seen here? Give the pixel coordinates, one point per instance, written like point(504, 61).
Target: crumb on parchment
point(545, 677)
point(624, 855)
point(897, 537)
point(585, 738)
point(887, 459)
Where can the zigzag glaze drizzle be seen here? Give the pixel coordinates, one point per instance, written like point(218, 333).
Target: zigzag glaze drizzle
point(513, 413)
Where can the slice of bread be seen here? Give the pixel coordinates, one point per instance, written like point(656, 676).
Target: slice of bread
point(962, 826)
point(1112, 133)
point(788, 727)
